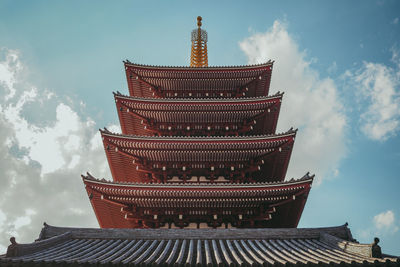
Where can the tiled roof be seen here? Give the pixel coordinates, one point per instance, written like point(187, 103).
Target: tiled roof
point(131, 158)
point(223, 247)
point(249, 116)
point(156, 205)
point(158, 81)
point(205, 69)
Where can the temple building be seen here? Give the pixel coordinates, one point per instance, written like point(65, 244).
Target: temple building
point(198, 178)
point(198, 149)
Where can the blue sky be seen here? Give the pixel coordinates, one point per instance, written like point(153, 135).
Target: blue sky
point(337, 62)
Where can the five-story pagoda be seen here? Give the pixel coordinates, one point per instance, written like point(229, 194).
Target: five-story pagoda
point(198, 149)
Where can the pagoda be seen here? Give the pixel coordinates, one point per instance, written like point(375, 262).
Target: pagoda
point(198, 149)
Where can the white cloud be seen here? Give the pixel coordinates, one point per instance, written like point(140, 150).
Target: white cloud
point(385, 220)
point(7, 71)
point(310, 103)
point(336, 172)
point(395, 21)
point(24, 220)
point(383, 225)
point(378, 86)
point(41, 161)
point(2, 220)
point(333, 68)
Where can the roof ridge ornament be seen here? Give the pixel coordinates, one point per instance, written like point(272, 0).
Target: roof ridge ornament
point(199, 56)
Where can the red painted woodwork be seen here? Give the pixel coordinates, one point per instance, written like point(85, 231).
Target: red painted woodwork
point(198, 117)
point(158, 159)
point(238, 205)
point(189, 82)
point(198, 148)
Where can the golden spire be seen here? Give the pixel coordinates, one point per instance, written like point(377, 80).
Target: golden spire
point(198, 56)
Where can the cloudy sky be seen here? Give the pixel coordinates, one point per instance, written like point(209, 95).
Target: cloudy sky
point(338, 63)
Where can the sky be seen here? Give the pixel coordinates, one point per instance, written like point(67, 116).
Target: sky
point(338, 63)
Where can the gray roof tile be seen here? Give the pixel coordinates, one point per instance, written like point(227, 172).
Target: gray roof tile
point(256, 247)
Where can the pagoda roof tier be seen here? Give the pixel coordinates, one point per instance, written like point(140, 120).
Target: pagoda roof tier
point(67, 246)
point(192, 82)
point(277, 204)
point(162, 159)
point(144, 116)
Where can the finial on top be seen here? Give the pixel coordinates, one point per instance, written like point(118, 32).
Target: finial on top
point(198, 56)
point(199, 18)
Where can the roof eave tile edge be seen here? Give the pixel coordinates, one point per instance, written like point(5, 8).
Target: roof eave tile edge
point(289, 132)
point(268, 63)
point(45, 240)
point(277, 95)
point(306, 179)
point(346, 244)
